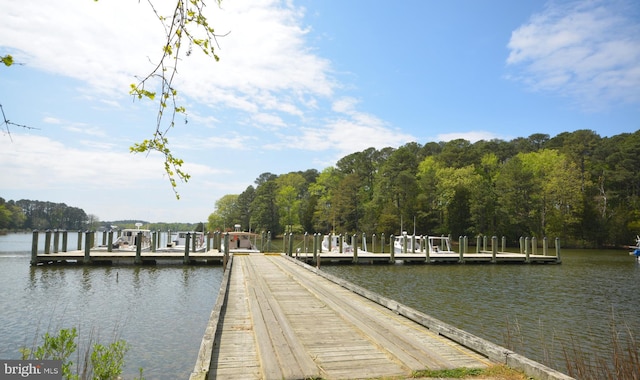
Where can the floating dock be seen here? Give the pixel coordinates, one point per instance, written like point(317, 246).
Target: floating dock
point(279, 318)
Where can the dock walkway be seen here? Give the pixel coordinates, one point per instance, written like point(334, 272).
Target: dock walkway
point(278, 318)
point(282, 321)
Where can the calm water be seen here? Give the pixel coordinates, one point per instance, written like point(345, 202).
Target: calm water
point(162, 311)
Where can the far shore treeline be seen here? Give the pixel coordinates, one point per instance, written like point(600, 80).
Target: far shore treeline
point(577, 186)
point(38, 215)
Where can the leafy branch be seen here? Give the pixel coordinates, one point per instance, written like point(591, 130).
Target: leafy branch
point(7, 60)
point(187, 19)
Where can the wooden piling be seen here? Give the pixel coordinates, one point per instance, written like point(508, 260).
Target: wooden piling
point(461, 249)
point(504, 244)
point(558, 260)
point(494, 248)
point(373, 242)
point(187, 240)
point(110, 241)
point(34, 248)
point(354, 244)
point(47, 242)
point(56, 240)
point(79, 240)
point(478, 238)
point(526, 249)
point(544, 246)
point(290, 243)
point(64, 241)
point(87, 248)
point(382, 242)
point(225, 257)
point(534, 245)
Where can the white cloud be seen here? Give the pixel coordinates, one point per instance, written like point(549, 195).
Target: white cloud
point(586, 50)
point(352, 131)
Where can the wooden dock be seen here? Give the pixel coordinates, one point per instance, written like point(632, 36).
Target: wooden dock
point(120, 257)
point(278, 318)
point(362, 257)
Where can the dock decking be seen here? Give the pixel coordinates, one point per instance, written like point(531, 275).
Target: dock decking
point(278, 318)
point(128, 257)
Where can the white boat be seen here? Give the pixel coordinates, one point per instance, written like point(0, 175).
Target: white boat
point(128, 240)
point(331, 243)
point(635, 249)
point(178, 240)
point(420, 244)
point(240, 241)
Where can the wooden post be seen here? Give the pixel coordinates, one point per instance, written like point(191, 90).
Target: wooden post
point(478, 238)
point(364, 242)
point(545, 247)
point(382, 242)
point(391, 247)
point(194, 241)
point(558, 250)
point(521, 241)
point(64, 241)
point(269, 241)
point(104, 237)
point(484, 242)
point(47, 242)
point(208, 237)
point(290, 243)
point(87, 247)
point(534, 245)
point(504, 244)
point(526, 249)
point(154, 238)
point(465, 239)
point(304, 243)
point(340, 243)
point(373, 243)
point(110, 241)
point(187, 241)
point(494, 248)
point(354, 244)
point(79, 240)
point(315, 247)
point(461, 249)
point(225, 256)
point(427, 247)
point(34, 248)
point(404, 243)
point(392, 252)
point(56, 240)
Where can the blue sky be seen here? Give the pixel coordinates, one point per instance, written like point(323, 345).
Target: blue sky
point(299, 85)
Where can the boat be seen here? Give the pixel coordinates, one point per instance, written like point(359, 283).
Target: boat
point(419, 244)
point(128, 240)
point(241, 241)
point(635, 249)
point(178, 240)
point(331, 243)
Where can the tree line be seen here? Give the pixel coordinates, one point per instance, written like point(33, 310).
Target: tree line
point(40, 215)
point(578, 186)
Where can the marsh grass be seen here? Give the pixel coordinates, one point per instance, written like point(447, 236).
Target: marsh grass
point(621, 363)
point(93, 360)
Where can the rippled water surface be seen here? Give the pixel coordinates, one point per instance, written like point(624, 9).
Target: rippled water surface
point(161, 311)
